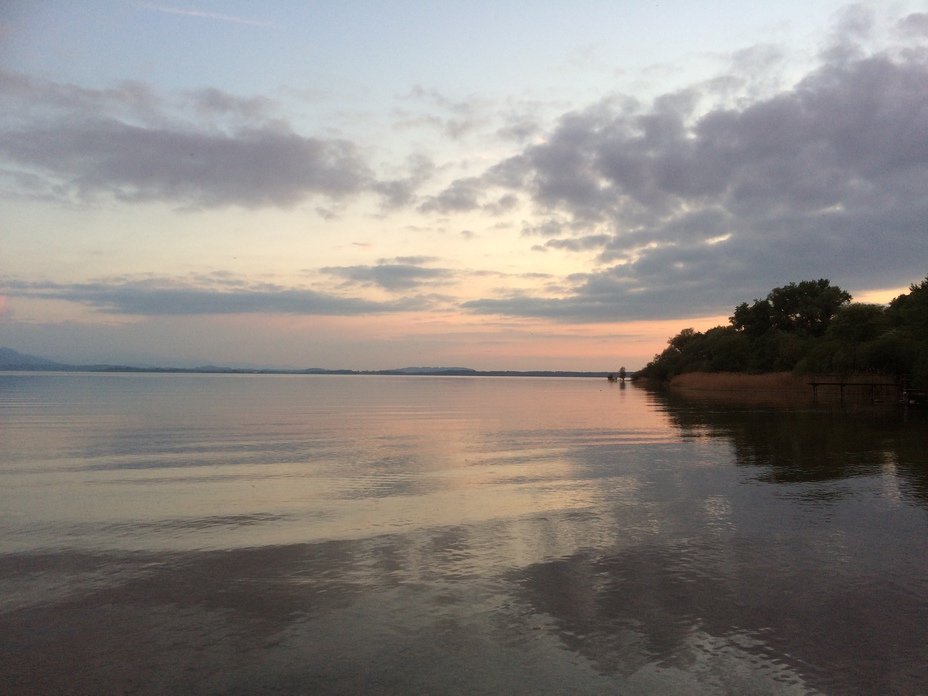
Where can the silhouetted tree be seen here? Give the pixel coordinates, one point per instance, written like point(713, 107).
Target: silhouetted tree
point(804, 308)
point(809, 326)
point(909, 316)
point(911, 311)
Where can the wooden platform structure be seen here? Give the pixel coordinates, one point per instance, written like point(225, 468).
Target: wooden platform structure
point(897, 387)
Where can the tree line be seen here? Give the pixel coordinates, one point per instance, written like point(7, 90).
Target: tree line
point(808, 327)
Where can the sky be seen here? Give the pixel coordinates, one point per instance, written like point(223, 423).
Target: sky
point(495, 185)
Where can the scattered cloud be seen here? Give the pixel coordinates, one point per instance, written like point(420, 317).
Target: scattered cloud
point(593, 241)
point(454, 118)
point(250, 168)
point(520, 129)
point(692, 201)
point(405, 274)
point(697, 206)
point(213, 104)
point(914, 25)
point(178, 297)
point(401, 191)
point(462, 196)
point(200, 149)
point(414, 260)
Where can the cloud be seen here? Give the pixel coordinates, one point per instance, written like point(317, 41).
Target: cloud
point(213, 103)
point(915, 24)
point(593, 241)
point(407, 273)
point(694, 201)
point(613, 296)
point(29, 101)
point(127, 142)
point(703, 198)
point(414, 260)
point(519, 129)
point(400, 192)
point(174, 297)
point(463, 195)
point(455, 118)
point(854, 25)
point(250, 168)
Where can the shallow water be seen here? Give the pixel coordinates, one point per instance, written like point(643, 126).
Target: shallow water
point(240, 534)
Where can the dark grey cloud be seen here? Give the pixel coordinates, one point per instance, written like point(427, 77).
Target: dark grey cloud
point(391, 276)
point(614, 295)
point(62, 140)
point(915, 24)
point(251, 167)
point(168, 297)
point(854, 25)
point(698, 205)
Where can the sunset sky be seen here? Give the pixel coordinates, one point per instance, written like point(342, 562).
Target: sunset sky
point(495, 185)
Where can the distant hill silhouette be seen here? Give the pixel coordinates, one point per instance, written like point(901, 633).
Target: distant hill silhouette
point(433, 370)
point(11, 360)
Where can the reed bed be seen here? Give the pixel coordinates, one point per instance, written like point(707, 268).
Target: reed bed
point(784, 388)
point(733, 381)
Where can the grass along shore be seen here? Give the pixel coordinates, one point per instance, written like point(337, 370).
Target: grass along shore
point(785, 387)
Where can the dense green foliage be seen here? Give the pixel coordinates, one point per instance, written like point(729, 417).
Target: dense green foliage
point(807, 327)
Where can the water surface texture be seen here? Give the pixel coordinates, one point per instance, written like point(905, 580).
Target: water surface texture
point(252, 534)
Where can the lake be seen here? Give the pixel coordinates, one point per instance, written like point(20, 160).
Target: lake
point(282, 534)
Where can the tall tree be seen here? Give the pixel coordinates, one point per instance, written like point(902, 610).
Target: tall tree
point(911, 311)
point(805, 308)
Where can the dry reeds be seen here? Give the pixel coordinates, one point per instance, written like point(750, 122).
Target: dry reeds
point(783, 387)
point(734, 381)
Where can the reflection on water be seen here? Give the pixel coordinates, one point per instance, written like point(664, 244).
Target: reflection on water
point(254, 534)
point(809, 445)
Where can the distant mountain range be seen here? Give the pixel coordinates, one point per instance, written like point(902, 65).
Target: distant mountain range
point(11, 360)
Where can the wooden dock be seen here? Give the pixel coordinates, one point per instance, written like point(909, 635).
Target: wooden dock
point(898, 388)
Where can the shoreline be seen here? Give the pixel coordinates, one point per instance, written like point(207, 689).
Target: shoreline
point(78, 369)
point(785, 387)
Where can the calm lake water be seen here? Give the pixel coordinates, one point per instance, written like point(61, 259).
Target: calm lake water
point(226, 534)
